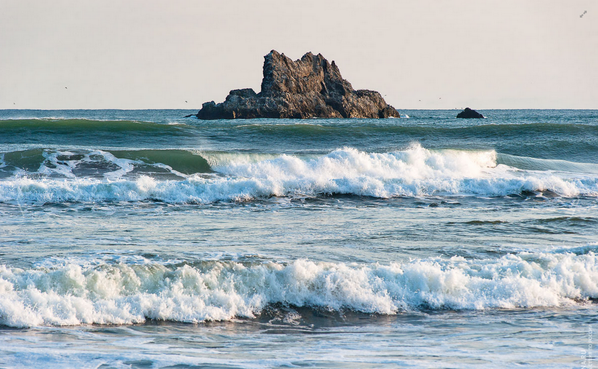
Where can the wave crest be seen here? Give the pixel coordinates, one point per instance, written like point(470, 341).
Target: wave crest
point(104, 293)
point(415, 171)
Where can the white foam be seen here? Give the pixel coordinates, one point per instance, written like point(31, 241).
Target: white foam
point(71, 294)
point(61, 164)
point(125, 165)
point(52, 165)
point(412, 172)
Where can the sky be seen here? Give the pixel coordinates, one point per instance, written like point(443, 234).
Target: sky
point(177, 54)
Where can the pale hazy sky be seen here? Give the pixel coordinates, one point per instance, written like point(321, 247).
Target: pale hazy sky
point(124, 54)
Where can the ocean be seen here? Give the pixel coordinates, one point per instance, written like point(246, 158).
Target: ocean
point(144, 239)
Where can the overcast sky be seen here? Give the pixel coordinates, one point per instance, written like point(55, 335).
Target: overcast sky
point(127, 54)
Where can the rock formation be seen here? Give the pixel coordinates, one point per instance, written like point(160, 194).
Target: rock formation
point(469, 113)
point(307, 88)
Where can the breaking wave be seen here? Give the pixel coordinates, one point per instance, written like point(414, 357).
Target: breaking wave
point(117, 291)
point(179, 176)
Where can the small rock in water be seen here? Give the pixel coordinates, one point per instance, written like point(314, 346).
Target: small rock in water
point(469, 113)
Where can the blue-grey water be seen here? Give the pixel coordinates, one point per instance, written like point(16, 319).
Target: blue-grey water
point(140, 238)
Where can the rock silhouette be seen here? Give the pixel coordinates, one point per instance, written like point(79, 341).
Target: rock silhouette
point(310, 87)
point(469, 113)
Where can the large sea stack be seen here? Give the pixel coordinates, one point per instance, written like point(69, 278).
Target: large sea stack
point(307, 88)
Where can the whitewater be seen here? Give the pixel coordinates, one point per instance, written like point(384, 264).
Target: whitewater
point(126, 293)
point(146, 239)
point(415, 171)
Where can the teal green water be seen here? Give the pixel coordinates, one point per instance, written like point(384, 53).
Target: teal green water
point(145, 239)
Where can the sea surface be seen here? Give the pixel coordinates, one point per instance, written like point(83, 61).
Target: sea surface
point(144, 239)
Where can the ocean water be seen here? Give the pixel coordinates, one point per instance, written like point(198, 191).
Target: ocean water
point(145, 239)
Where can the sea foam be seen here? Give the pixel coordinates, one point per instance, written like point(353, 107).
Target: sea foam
point(104, 292)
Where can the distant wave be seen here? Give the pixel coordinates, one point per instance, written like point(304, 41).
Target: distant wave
point(299, 127)
point(99, 290)
point(179, 176)
point(571, 141)
point(70, 126)
point(375, 126)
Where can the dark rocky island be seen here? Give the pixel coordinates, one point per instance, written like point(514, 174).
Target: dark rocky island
point(469, 113)
point(310, 87)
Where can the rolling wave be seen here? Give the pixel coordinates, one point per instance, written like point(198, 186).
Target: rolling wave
point(299, 128)
point(178, 176)
point(79, 163)
point(571, 141)
point(527, 163)
point(104, 291)
point(360, 126)
point(61, 125)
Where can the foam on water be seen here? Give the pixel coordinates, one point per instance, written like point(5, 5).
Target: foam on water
point(60, 163)
point(415, 171)
point(67, 292)
point(115, 164)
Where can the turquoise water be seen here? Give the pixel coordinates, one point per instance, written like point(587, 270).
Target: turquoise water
point(145, 239)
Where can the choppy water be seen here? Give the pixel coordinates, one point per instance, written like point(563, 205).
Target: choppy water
point(145, 239)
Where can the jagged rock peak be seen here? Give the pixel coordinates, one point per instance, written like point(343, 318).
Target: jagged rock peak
point(305, 88)
point(311, 73)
